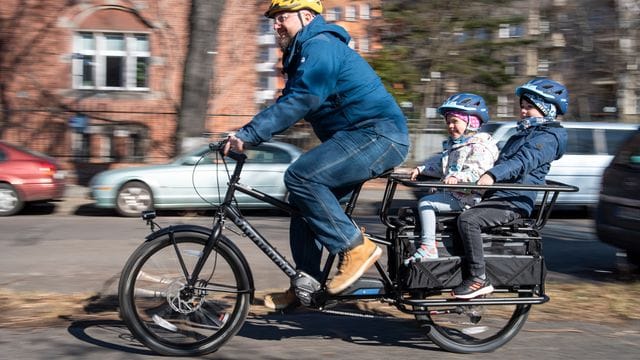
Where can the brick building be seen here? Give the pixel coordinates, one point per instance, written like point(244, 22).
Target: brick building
point(96, 83)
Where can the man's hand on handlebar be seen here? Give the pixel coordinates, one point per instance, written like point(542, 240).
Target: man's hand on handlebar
point(233, 143)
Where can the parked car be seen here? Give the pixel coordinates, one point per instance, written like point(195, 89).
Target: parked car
point(590, 148)
point(27, 176)
point(181, 184)
point(618, 211)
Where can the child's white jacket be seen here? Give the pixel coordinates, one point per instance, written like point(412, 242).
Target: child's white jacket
point(466, 161)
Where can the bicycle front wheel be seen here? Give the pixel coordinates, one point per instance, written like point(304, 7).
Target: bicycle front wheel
point(172, 317)
point(473, 328)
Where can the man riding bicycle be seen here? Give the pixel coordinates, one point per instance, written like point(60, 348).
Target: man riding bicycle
point(361, 127)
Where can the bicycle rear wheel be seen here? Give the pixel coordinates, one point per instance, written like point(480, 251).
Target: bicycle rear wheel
point(173, 318)
point(473, 328)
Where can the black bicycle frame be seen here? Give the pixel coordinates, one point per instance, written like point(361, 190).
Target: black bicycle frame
point(231, 212)
point(227, 209)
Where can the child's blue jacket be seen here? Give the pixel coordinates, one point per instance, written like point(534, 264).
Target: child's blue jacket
point(526, 159)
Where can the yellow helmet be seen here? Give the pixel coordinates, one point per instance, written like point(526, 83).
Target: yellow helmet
point(293, 5)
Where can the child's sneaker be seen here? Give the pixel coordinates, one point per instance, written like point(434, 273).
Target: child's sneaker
point(471, 288)
point(423, 252)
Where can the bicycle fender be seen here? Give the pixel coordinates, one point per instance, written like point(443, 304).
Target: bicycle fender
point(178, 228)
point(182, 228)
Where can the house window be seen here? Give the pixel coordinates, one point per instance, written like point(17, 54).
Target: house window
point(111, 61)
point(266, 26)
point(363, 45)
point(508, 31)
point(334, 14)
point(505, 106)
point(264, 55)
point(350, 13)
point(264, 82)
point(543, 65)
point(365, 11)
point(337, 11)
point(513, 65)
point(330, 15)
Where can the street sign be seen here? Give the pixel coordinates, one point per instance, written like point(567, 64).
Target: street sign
point(78, 122)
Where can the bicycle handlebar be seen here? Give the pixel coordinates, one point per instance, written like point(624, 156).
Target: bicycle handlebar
point(219, 147)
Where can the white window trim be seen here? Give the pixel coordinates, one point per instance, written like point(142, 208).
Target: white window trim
point(365, 11)
point(350, 13)
point(364, 45)
point(100, 53)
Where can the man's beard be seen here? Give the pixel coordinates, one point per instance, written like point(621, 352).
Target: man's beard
point(283, 41)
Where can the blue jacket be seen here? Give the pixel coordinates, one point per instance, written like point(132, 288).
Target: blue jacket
point(331, 87)
point(526, 159)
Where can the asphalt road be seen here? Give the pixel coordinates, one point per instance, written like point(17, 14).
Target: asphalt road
point(74, 249)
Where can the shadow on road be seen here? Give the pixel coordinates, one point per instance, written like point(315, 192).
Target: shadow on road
point(302, 324)
point(44, 208)
point(109, 334)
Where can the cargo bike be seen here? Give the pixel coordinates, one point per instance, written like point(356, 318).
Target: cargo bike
point(187, 289)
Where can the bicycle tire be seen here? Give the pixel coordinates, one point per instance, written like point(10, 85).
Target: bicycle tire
point(459, 333)
point(172, 319)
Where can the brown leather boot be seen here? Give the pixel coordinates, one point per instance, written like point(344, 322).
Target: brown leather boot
point(353, 264)
point(281, 300)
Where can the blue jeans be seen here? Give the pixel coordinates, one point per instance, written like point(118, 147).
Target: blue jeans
point(323, 175)
point(486, 214)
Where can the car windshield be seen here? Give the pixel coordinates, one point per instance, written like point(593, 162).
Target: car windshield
point(201, 155)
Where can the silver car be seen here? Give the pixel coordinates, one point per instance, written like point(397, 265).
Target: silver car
point(181, 184)
point(590, 148)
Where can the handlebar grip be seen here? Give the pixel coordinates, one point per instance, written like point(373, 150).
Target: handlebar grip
point(239, 157)
point(219, 147)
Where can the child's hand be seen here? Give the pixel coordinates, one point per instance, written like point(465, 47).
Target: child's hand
point(485, 179)
point(450, 180)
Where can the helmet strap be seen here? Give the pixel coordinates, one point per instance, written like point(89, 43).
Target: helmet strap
point(302, 19)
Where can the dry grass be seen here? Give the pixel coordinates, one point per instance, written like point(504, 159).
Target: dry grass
point(30, 309)
point(590, 302)
point(598, 302)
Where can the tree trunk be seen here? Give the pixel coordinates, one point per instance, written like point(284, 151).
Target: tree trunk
point(198, 71)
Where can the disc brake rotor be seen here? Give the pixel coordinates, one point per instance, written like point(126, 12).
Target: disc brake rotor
point(184, 299)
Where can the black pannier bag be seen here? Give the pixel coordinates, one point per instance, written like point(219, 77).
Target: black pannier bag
point(512, 255)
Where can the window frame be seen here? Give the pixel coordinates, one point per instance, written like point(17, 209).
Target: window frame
point(365, 11)
point(130, 55)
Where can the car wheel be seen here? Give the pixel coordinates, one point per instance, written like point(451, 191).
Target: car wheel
point(133, 198)
point(10, 202)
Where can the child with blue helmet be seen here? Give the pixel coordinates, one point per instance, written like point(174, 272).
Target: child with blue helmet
point(525, 159)
point(466, 155)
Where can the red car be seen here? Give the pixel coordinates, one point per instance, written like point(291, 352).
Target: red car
point(26, 176)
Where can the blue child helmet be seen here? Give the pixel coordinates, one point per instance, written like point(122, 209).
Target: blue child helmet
point(471, 104)
point(551, 91)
